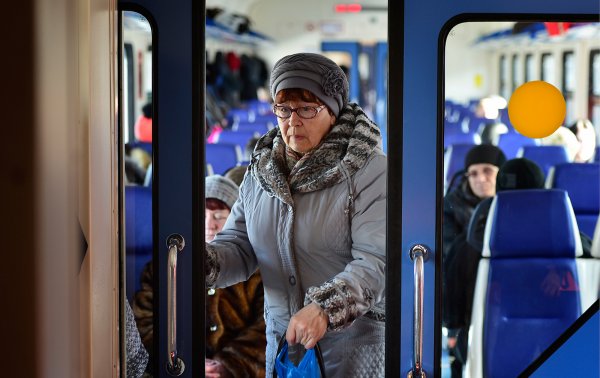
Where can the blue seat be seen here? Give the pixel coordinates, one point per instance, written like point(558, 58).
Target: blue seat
point(240, 138)
point(511, 142)
point(527, 290)
point(545, 156)
point(455, 136)
point(454, 161)
point(138, 235)
point(223, 156)
point(582, 182)
point(146, 146)
point(268, 118)
point(597, 155)
point(260, 128)
point(239, 115)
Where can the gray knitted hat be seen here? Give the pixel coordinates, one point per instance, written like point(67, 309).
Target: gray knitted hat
point(221, 188)
point(315, 73)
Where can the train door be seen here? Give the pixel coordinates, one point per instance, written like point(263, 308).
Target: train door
point(160, 214)
point(416, 96)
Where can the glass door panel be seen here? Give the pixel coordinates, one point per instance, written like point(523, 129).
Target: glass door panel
point(501, 272)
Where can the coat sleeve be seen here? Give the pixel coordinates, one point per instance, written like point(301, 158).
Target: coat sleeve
point(231, 248)
point(361, 285)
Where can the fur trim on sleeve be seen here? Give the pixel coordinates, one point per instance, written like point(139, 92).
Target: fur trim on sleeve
point(337, 302)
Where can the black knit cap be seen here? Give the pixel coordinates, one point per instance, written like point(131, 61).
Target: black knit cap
point(485, 153)
point(519, 173)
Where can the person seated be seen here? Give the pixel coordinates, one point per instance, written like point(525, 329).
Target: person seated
point(235, 334)
point(515, 174)
point(236, 174)
point(586, 136)
point(481, 165)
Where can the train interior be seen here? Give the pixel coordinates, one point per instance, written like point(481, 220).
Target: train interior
point(484, 63)
point(87, 94)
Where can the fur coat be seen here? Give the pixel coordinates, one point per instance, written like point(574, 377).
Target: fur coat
point(235, 334)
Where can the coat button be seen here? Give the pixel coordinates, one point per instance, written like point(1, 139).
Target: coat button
point(292, 280)
point(211, 291)
point(213, 328)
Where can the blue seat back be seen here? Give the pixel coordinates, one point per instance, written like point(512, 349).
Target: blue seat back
point(582, 182)
point(511, 142)
point(138, 235)
point(532, 293)
point(240, 138)
point(456, 136)
point(257, 127)
point(222, 156)
point(146, 146)
point(545, 156)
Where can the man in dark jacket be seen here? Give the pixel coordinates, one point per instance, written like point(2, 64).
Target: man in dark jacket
point(481, 166)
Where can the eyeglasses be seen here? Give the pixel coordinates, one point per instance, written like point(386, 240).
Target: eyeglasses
point(306, 112)
point(487, 172)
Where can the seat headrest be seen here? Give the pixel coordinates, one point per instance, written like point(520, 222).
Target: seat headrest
point(531, 223)
point(138, 218)
point(582, 182)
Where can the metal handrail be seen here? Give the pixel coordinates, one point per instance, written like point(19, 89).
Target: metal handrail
point(418, 253)
point(175, 365)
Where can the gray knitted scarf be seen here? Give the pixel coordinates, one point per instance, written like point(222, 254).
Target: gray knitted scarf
point(348, 146)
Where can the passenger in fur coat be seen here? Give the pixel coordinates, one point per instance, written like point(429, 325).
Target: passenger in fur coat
point(235, 334)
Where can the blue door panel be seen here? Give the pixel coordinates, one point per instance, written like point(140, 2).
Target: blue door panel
point(421, 154)
point(173, 85)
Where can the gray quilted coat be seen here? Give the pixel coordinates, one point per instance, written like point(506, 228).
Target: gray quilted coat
point(317, 234)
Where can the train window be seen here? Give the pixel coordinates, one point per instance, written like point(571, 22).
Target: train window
point(516, 72)
point(568, 84)
point(594, 91)
point(135, 189)
point(548, 69)
point(503, 87)
point(529, 68)
point(478, 141)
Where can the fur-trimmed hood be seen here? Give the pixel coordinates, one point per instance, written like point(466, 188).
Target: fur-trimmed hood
point(343, 151)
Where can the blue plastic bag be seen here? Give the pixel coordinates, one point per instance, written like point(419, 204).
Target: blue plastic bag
point(307, 368)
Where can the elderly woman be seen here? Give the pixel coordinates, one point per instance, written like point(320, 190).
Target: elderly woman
point(311, 216)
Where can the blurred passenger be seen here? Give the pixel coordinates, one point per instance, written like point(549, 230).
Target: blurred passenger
point(563, 137)
point(236, 174)
point(586, 136)
point(235, 334)
point(481, 164)
point(311, 215)
point(136, 162)
point(143, 126)
point(250, 147)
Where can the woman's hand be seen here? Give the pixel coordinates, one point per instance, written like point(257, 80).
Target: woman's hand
point(307, 326)
point(215, 369)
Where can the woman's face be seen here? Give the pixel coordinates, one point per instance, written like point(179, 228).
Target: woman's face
point(482, 179)
point(300, 134)
point(214, 220)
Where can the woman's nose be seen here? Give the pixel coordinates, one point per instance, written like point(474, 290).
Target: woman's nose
point(295, 120)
